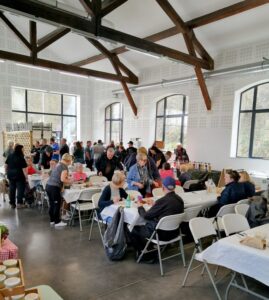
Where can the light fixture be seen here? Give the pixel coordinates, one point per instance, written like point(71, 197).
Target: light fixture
point(75, 75)
point(143, 52)
point(107, 80)
point(33, 67)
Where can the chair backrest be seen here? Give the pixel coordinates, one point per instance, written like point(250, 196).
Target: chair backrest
point(187, 184)
point(95, 199)
point(192, 212)
point(133, 193)
point(241, 209)
point(157, 193)
point(86, 194)
point(179, 190)
point(233, 223)
point(226, 209)
point(244, 201)
point(169, 223)
point(201, 227)
point(97, 179)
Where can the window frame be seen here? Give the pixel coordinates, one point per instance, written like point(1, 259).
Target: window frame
point(111, 120)
point(62, 115)
point(253, 112)
point(165, 116)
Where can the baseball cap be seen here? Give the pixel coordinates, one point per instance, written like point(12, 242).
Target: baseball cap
point(169, 183)
point(130, 142)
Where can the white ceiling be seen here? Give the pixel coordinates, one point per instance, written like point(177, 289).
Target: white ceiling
point(145, 17)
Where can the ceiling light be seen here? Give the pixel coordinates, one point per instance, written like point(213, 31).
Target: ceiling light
point(75, 75)
point(143, 52)
point(107, 80)
point(33, 67)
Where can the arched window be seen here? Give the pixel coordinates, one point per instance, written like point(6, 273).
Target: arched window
point(113, 122)
point(253, 122)
point(171, 120)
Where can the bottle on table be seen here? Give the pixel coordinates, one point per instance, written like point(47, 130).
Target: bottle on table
point(128, 202)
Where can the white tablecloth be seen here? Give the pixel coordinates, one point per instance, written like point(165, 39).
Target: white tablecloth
point(34, 180)
point(229, 253)
point(72, 195)
point(202, 198)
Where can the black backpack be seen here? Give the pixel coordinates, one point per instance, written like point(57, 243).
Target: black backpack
point(114, 237)
point(257, 212)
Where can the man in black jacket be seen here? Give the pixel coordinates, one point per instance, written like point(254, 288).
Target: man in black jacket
point(169, 204)
point(107, 164)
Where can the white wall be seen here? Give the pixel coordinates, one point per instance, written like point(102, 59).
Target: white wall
point(209, 132)
point(13, 75)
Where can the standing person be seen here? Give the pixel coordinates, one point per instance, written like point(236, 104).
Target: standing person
point(35, 153)
point(131, 149)
point(181, 154)
point(89, 155)
point(58, 177)
point(64, 147)
point(78, 153)
point(107, 164)
point(120, 153)
point(98, 150)
point(158, 156)
point(46, 158)
point(55, 148)
point(169, 204)
point(9, 149)
point(16, 169)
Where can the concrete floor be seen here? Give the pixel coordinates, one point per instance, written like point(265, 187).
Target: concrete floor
point(78, 269)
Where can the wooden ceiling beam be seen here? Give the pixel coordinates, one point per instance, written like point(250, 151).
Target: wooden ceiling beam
point(15, 30)
point(87, 5)
point(33, 40)
point(225, 12)
point(109, 5)
point(60, 66)
point(87, 28)
point(188, 37)
point(52, 37)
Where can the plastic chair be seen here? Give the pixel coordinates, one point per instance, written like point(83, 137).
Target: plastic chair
point(179, 190)
point(224, 210)
point(244, 201)
point(95, 179)
point(234, 223)
point(95, 218)
point(157, 193)
point(200, 228)
point(86, 197)
point(192, 212)
point(167, 223)
point(188, 183)
point(241, 209)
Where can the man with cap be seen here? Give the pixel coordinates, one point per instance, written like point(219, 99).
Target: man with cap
point(169, 204)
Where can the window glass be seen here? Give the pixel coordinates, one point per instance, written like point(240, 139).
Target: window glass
point(35, 101)
point(172, 132)
point(116, 131)
point(107, 132)
point(69, 105)
point(244, 134)
point(116, 111)
point(18, 99)
point(247, 100)
point(159, 129)
point(52, 103)
point(160, 108)
point(35, 118)
point(174, 105)
point(261, 136)
point(263, 96)
point(108, 112)
point(18, 117)
point(54, 120)
point(70, 128)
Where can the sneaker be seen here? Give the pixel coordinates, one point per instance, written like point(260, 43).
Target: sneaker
point(66, 217)
point(52, 223)
point(61, 224)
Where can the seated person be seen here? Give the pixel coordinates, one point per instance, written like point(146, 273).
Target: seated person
point(184, 174)
point(169, 204)
point(139, 178)
point(79, 175)
point(31, 169)
point(166, 171)
point(114, 192)
point(248, 184)
point(168, 155)
point(234, 190)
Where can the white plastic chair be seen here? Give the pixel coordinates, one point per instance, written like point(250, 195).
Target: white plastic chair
point(133, 194)
point(95, 218)
point(167, 223)
point(244, 201)
point(234, 223)
point(188, 183)
point(200, 228)
point(192, 212)
point(179, 190)
point(95, 179)
point(241, 209)
point(224, 210)
point(157, 193)
point(85, 196)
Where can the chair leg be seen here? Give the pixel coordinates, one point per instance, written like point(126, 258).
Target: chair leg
point(90, 234)
point(212, 281)
point(144, 251)
point(101, 235)
point(79, 216)
point(182, 252)
point(160, 259)
point(189, 267)
point(72, 215)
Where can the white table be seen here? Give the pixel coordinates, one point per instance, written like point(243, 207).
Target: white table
point(229, 253)
point(72, 195)
point(34, 180)
point(199, 198)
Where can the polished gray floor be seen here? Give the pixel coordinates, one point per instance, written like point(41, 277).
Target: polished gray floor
point(78, 270)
